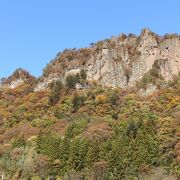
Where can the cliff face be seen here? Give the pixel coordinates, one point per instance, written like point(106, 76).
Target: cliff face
point(119, 61)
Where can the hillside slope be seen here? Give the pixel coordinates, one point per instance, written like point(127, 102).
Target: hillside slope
point(71, 124)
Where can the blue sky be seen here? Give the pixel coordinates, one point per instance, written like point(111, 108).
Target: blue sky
point(32, 32)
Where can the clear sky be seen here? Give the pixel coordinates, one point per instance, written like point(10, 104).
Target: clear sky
point(32, 32)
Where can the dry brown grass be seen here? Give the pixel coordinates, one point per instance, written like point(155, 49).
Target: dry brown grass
point(98, 130)
point(60, 127)
point(26, 130)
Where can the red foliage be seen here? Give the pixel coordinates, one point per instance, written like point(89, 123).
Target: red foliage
point(26, 130)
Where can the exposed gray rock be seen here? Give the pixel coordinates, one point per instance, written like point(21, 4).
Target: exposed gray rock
point(79, 86)
point(15, 83)
point(17, 78)
point(120, 64)
point(148, 91)
point(43, 85)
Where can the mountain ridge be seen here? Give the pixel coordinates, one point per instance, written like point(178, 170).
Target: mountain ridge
point(117, 62)
point(73, 123)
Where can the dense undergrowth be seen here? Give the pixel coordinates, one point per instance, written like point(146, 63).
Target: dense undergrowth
point(95, 133)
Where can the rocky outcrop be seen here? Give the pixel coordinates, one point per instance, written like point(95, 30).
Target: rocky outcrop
point(119, 61)
point(17, 78)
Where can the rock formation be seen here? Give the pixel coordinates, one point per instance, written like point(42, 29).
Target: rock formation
point(17, 78)
point(119, 61)
point(116, 62)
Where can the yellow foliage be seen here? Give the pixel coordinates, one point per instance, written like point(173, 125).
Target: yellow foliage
point(101, 98)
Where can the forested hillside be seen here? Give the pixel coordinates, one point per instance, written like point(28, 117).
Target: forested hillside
point(89, 133)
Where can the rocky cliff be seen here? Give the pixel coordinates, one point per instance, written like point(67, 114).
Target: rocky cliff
point(63, 132)
point(119, 61)
point(116, 62)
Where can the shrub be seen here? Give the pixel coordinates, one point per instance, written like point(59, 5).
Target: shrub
point(48, 144)
point(83, 74)
point(55, 92)
point(78, 102)
point(78, 153)
point(129, 148)
point(19, 142)
point(76, 128)
point(8, 165)
point(64, 109)
point(42, 123)
point(113, 98)
point(152, 76)
point(146, 79)
point(72, 80)
point(101, 98)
